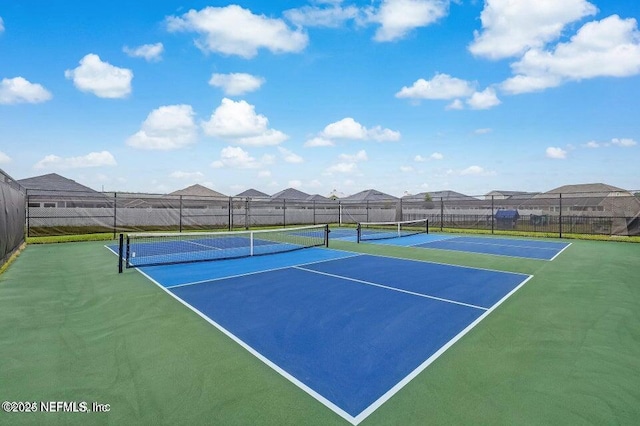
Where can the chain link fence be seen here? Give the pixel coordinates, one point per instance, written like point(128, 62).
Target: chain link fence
point(12, 216)
point(600, 213)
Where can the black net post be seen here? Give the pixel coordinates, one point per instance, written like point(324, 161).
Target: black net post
point(326, 235)
point(358, 230)
point(120, 253)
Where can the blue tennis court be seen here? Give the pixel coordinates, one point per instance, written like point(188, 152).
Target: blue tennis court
point(349, 329)
point(512, 247)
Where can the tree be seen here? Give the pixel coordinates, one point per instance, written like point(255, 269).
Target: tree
point(427, 197)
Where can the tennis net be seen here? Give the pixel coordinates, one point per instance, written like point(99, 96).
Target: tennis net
point(383, 230)
point(156, 248)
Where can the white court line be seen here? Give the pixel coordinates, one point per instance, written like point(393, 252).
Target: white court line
point(384, 398)
point(558, 254)
point(494, 244)
point(426, 296)
point(423, 246)
point(380, 401)
point(437, 263)
point(339, 411)
point(259, 272)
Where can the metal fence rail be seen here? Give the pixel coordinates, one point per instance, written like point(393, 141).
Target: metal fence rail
point(60, 213)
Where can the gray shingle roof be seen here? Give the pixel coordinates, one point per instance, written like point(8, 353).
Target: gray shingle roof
point(369, 195)
point(254, 193)
point(290, 194)
point(54, 184)
point(198, 191)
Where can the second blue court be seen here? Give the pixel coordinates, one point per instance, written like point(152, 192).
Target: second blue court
point(511, 247)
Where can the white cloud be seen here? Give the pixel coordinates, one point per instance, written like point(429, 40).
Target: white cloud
point(194, 176)
point(354, 158)
point(4, 158)
point(606, 48)
point(348, 128)
point(233, 30)
point(435, 156)
point(625, 142)
point(150, 52)
point(441, 86)
point(1, 25)
point(93, 159)
point(294, 183)
point(290, 157)
point(239, 121)
point(406, 169)
point(457, 104)
point(318, 141)
point(166, 128)
point(237, 158)
point(264, 174)
point(476, 171)
point(19, 90)
point(556, 153)
point(484, 100)
point(236, 83)
point(331, 16)
point(399, 17)
point(342, 168)
point(100, 78)
point(512, 27)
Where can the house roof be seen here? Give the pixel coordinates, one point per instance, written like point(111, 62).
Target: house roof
point(252, 193)
point(509, 193)
point(290, 194)
point(370, 195)
point(588, 189)
point(198, 191)
point(316, 197)
point(54, 184)
point(437, 195)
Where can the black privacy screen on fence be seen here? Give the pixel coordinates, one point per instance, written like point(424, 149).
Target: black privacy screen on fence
point(601, 213)
point(12, 216)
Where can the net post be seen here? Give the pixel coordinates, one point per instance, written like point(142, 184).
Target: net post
point(251, 244)
point(427, 226)
point(326, 235)
point(358, 231)
point(120, 253)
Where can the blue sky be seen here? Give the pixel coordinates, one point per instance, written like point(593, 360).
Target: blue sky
point(396, 95)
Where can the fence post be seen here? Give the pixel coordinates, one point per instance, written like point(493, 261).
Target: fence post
point(367, 210)
point(560, 228)
point(314, 212)
point(115, 214)
point(230, 219)
point(492, 214)
point(284, 212)
point(28, 222)
point(246, 213)
point(441, 213)
point(180, 216)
